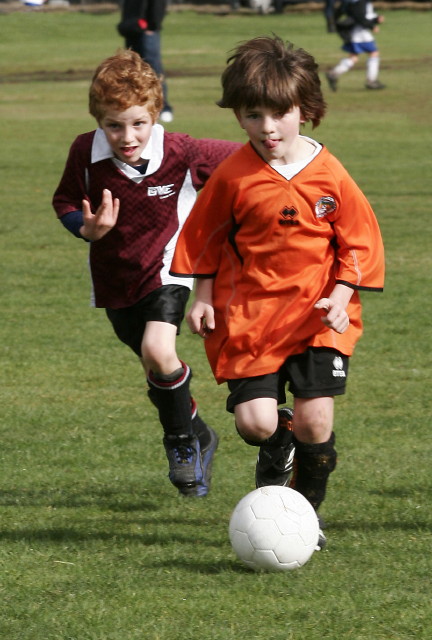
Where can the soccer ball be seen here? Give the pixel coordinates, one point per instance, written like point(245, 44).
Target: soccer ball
point(274, 528)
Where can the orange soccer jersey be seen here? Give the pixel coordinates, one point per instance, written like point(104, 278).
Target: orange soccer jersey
point(275, 247)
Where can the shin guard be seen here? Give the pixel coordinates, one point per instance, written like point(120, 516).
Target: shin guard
point(173, 402)
point(313, 464)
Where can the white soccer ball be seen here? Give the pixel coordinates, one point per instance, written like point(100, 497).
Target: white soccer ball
point(274, 529)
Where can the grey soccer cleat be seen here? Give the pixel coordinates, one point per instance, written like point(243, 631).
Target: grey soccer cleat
point(207, 455)
point(190, 467)
point(184, 458)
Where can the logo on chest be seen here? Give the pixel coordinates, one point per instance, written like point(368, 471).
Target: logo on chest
point(288, 217)
point(324, 206)
point(162, 191)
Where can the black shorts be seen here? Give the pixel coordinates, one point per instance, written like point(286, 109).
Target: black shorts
point(166, 304)
point(316, 373)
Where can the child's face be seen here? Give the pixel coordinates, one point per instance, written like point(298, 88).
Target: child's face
point(274, 135)
point(127, 132)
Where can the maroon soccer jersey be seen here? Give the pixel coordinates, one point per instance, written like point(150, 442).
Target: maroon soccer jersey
point(134, 257)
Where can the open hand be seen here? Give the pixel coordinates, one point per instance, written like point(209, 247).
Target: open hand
point(96, 225)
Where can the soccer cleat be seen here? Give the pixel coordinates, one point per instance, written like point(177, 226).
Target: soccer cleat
point(207, 454)
point(332, 80)
point(274, 465)
point(322, 540)
point(374, 84)
point(185, 466)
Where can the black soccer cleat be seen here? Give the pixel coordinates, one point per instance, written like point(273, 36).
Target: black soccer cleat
point(332, 80)
point(374, 85)
point(322, 540)
point(275, 462)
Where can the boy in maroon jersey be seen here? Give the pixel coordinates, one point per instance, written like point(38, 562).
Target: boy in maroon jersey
point(127, 189)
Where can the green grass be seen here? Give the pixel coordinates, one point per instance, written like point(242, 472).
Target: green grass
point(94, 542)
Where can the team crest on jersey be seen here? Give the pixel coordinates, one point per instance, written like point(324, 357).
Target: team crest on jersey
point(162, 191)
point(288, 216)
point(324, 206)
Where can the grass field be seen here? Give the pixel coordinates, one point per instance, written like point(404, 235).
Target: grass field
point(94, 542)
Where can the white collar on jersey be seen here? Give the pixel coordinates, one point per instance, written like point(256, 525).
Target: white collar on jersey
point(288, 171)
point(153, 151)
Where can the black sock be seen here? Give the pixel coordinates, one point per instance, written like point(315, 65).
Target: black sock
point(313, 464)
point(173, 401)
point(201, 430)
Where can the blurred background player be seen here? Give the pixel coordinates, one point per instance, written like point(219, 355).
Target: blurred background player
point(281, 241)
point(127, 188)
point(141, 26)
point(356, 22)
point(329, 13)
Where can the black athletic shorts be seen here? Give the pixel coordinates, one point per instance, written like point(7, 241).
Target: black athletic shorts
point(316, 373)
point(166, 304)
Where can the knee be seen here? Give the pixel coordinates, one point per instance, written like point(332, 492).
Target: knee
point(152, 356)
point(314, 430)
point(252, 430)
point(159, 359)
point(253, 433)
point(257, 419)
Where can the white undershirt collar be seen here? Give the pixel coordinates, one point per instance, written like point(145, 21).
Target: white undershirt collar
point(152, 152)
point(288, 171)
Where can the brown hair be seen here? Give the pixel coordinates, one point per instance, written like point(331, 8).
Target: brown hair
point(124, 80)
point(267, 71)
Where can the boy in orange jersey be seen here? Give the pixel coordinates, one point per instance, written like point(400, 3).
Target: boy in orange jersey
point(281, 240)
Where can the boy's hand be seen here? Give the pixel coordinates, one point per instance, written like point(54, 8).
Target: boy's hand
point(336, 317)
point(97, 225)
point(200, 318)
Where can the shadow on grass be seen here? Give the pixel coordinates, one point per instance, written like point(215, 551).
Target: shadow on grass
point(125, 499)
point(402, 492)
point(167, 529)
point(372, 527)
point(81, 534)
point(108, 514)
point(156, 547)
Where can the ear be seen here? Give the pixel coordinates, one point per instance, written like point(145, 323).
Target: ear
point(239, 118)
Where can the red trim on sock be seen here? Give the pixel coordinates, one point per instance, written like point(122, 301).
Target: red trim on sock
point(174, 384)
